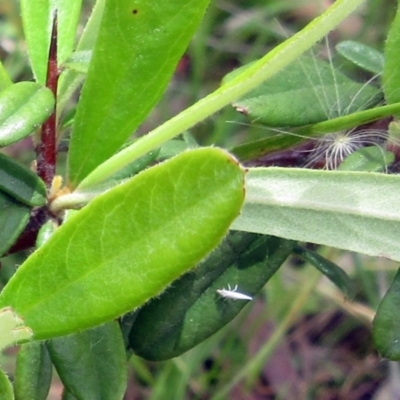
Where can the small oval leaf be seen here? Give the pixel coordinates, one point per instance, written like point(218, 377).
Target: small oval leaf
point(386, 324)
point(21, 183)
point(92, 364)
point(23, 107)
point(33, 372)
point(362, 55)
point(128, 244)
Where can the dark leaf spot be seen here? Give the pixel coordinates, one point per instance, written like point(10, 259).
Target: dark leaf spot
point(135, 11)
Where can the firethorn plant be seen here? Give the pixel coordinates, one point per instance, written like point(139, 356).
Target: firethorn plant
point(114, 232)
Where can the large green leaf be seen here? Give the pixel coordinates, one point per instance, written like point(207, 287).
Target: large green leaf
point(357, 211)
point(391, 71)
point(191, 310)
point(37, 18)
point(128, 244)
point(386, 325)
point(21, 183)
point(23, 107)
point(305, 92)
point(33, 372)
point(92, 364)
point(139, 45)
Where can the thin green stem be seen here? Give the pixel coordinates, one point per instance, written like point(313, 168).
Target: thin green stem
point(269, 65)
point(352, 120)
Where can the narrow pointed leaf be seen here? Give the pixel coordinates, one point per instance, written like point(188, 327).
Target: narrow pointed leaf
point(332, 271)
point(191, 310)
point(23, 107)
point(21, 183)
point(356, 211)
point(138, 47)
point(386, 325)
point(128, 244)
point(92, 364)
point(37, 19)
point(33, 372)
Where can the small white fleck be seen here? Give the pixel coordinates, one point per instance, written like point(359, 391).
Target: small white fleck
point(233, 294)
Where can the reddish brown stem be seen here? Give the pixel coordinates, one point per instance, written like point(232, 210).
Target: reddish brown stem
point(28, 237)
point(47, 148)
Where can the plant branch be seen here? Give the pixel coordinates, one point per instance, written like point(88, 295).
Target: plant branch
point(47, 148)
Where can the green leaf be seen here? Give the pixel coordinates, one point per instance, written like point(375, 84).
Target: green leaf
point(128, 244)
point(371, 158)
point(135, 167)
point(70, 80)
point(79, 61)
point(271, 143)
point(66, 395)
point(138, 47)
point(13, 218)
point(391, 71)
point(328, 268)
point(305, 92)
point(386, 324)
point(21, 183)
point(356, 211)
point(5, 79)
point(23, 107)
point(37, 19)
point(191, 310)
point(33, 372)
point(6, 389)
point(362, 55)
point(92, 364)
